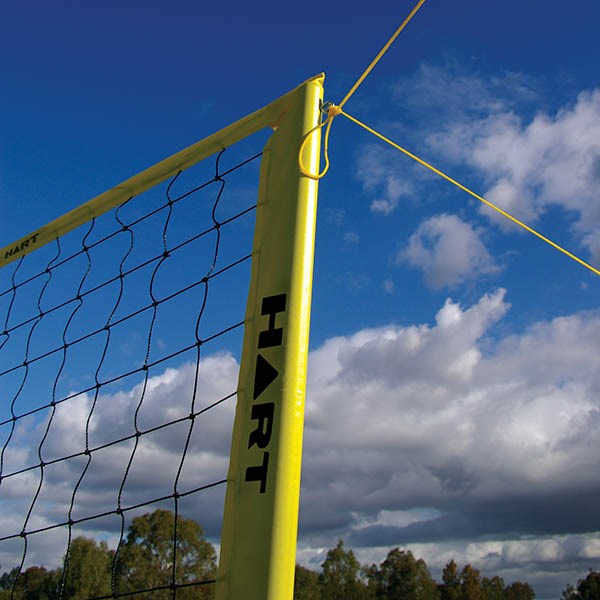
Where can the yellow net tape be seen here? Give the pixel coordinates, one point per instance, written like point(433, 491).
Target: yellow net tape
point(268, 116)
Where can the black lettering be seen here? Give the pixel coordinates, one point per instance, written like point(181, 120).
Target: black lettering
point(264, 375)
point(273, 336)
point(20, 247)
point(263, 413)
point(259, 473)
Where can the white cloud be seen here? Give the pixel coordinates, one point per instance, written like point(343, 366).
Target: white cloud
point(336, 216)
point(554, 160)
point(452, 91)
point(547, 562)
point(415, 436)
point(351, 237)
point(423, 418)
point(528, 164)
point(145, 474)
point(383, 177)
point(448, 251)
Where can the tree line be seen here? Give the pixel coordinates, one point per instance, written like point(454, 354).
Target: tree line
point(400, 576)
point(145, 559)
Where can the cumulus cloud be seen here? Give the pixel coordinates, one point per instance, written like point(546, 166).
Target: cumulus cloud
point(351, 237)
point(439, 446)
point(384, 178)
point(528, 163)
point(553, 160)
point(436, 436)
point(426, 418)
point(547, 563)
point(449, 251)
point(120, 471)
point(453, 92)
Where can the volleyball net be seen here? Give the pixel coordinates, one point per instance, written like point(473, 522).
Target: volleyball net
point(153, 347)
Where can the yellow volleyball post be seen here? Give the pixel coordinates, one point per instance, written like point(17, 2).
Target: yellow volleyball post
point(258, 544)
point(258, 541)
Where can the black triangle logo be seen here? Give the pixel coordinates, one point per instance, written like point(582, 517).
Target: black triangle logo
point(264, 375)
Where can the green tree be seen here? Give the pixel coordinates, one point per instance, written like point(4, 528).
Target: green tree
point(146, 558)
point(450, 589)
point(463, 585)
point(7, 579)
point(35, 583)
point(493, 588)
point(470, 587)
point(519, 591)
point(402, 577)
point(306, 584)
point(88, 568)
point(340, 576)
point(587, 589)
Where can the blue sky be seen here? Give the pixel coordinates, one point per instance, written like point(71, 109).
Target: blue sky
point(475, 344)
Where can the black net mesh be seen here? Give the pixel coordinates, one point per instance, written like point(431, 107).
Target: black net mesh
point(119, 354)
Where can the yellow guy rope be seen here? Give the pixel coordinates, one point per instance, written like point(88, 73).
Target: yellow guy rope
point(335, 110)
point(472, 193)
point(406, 21)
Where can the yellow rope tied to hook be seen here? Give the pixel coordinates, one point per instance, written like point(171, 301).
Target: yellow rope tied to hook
point(332, 112)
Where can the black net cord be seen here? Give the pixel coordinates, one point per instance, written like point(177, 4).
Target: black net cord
point(104, 335)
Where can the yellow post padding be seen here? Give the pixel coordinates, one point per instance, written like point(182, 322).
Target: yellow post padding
point(258, 541)
point(269, 116)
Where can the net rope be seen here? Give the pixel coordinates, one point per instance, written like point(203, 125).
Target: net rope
point(24, 330)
